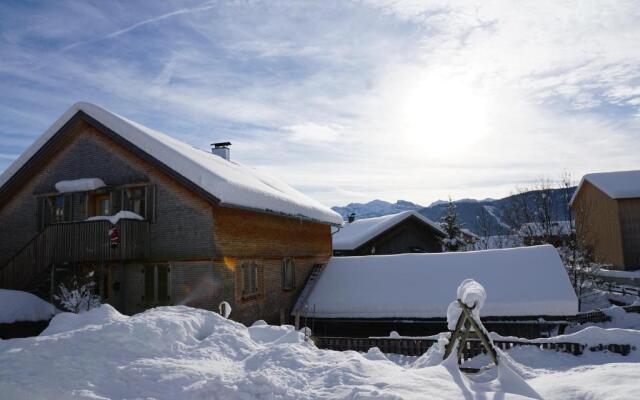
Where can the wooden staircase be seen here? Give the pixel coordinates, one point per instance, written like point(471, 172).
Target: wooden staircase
point(301, 303)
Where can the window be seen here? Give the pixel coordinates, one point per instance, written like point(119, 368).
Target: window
point(288, 274)
point(99, 204)
point(157, 284)
point(135, 200)
point(59, 207)
point(249, 279)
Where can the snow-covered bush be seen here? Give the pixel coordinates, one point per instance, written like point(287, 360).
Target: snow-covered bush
point(79, 297)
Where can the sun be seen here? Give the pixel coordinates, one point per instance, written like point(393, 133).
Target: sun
point(443, 115)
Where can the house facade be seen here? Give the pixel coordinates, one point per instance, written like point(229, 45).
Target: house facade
point(154, 221)
point(606, 208)
point(405, 232)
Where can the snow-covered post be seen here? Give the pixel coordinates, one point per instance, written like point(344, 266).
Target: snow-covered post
point(463, 314)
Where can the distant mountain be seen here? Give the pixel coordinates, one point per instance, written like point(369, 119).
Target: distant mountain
point(469, 210)
point(376, 208)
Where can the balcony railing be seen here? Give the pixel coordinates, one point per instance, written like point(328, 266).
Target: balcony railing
point(75, 242)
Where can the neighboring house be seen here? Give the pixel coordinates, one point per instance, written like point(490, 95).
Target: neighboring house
point(557, 233)
point(405, 232)
point(470, 239)
point(155, 220)
point(528, 292)
point(606, 207)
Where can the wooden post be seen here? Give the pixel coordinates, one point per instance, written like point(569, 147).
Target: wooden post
point(454, 336)
point(479, 332)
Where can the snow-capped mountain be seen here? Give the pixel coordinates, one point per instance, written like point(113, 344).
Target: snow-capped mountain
point(469, 210)
point(376, 208)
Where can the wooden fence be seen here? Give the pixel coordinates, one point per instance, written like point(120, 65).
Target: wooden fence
point(618, 289)
point(74, 242)
point(417, 347)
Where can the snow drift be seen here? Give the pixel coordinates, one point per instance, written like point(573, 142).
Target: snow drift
point(182, 352)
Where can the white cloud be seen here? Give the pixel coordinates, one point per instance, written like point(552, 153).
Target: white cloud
point(401, 99)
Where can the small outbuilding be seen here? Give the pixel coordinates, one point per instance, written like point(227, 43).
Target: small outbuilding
point(528, 292)
point(606, 207)
point(405, 232)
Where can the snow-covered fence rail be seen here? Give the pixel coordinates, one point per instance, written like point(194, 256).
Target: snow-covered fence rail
point(618, 289)
point(407, 347)
point(598, 315)
point(417, 347)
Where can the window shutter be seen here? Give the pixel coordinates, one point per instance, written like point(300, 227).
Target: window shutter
point(150, 203)
point(254, 280)
point(284, 273)
point(149, 283)
point(116, 201)
point(163, 283)
point(68, 200)
point(47, 209)
point(245, 279)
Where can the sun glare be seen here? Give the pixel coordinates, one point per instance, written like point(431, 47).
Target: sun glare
point(442, 116)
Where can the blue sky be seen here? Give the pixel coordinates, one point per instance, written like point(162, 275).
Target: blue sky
point(347, 101)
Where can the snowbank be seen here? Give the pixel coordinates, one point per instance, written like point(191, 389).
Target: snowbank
point(526, 281)
point(22, 306)
point(230, 182)
point(360, 231)
point(116, 217)
point(181, 352)
point(79, 185)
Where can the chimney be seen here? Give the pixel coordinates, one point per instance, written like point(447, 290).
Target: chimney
point(352, 217)
point(221, 149)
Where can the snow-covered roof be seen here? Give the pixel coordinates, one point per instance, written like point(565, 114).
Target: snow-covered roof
point(617, 185)
point(355, 234)
point(17, 306)
point(230, 182)
point(524, 281)
point(79, 185)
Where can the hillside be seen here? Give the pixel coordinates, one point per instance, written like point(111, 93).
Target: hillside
point(469, 210)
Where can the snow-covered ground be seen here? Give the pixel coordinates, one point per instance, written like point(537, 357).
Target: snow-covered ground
point(182, 352)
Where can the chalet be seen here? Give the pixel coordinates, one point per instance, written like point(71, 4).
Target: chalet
point(405, 232)
point(155, 221)
point(606, 207)
point(528, 292)
point(557, 233)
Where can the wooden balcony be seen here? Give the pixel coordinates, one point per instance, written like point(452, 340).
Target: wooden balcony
point(75, 242)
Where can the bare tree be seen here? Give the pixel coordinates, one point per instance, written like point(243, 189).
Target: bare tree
point(577, 254)
point(486, 229)
point(532, 213)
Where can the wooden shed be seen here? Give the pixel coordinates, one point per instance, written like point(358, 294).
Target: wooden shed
point(606, 207)
point(405, 232)
point(528, 292)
